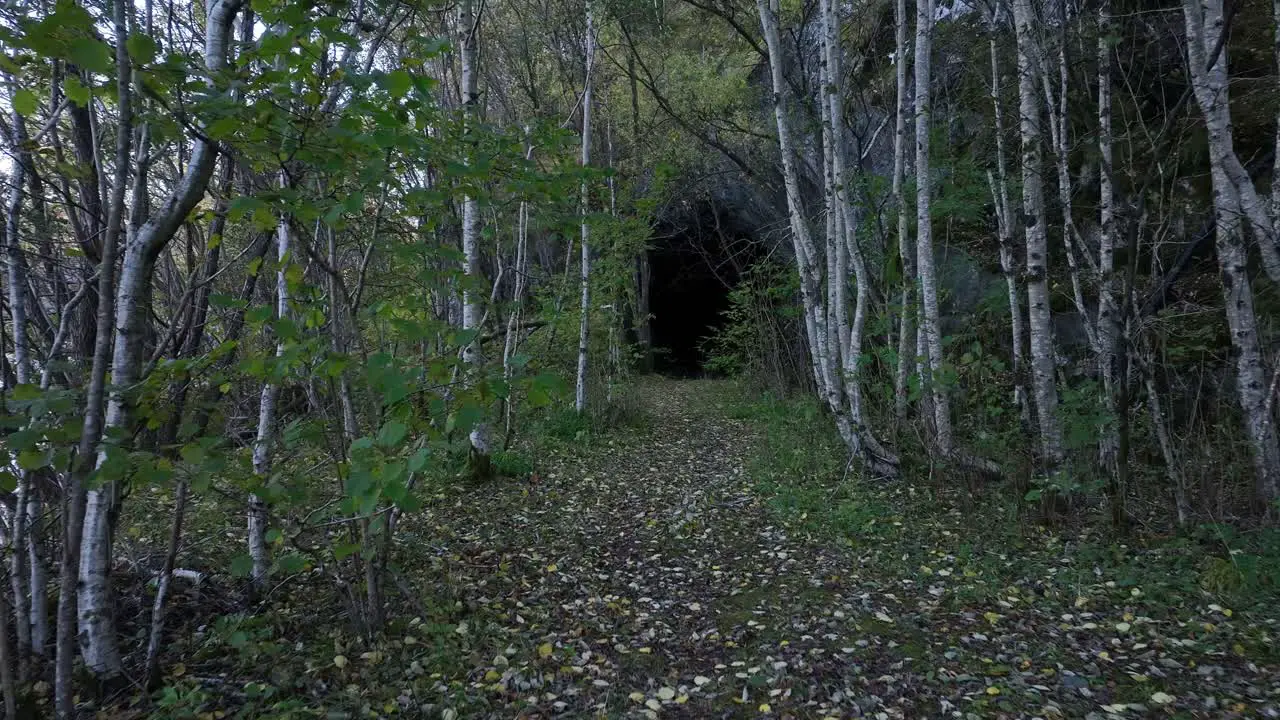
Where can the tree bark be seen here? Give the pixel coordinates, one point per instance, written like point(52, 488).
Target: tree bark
point(942, 436)
point(1044, 385)
point(97, 627)
point(1205, 24)
point(906, 251)
point(584, 329)
point(472, 312)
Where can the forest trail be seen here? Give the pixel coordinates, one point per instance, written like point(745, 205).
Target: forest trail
point(661, 583)
point(643, 576)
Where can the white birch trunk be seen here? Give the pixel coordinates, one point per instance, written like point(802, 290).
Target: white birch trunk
point(17, 283)
point(1005, 227)
point(906, 324)
point(97, 626)
point(847, 249)
point(94, 611)
point(924, 232)
point(1044, 386)
point(472, 312)
point(817, 329)
point(257, 515)
point(1056, 103)
point(1204, 22)
point(1109, 331)
point(584, 323)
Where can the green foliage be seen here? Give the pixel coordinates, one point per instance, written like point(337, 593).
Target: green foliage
point(759, 339)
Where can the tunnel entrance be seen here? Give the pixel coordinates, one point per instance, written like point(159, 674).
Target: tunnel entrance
point(695, 260)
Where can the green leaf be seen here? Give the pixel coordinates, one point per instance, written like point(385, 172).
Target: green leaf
point(292, 563)
point(343, 550)
point(76, 91)
point(418, 460)
point(25, 103)
point(241, 565)
point(32, 459)
point(8, 482)
point(397, 83)
point(392, 434)
point(192, 453)
point(142, 48)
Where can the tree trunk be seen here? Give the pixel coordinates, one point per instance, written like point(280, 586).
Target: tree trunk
point(17, 284)
point(584, 336)
point(1205, 25)
point(96, 619)
point(257, 514)
point(924, 233)
point(469, 28)
point(1044, 386)
point(1109, 330)
point(906, 251)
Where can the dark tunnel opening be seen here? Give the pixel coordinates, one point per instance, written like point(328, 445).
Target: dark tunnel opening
point(695, 261)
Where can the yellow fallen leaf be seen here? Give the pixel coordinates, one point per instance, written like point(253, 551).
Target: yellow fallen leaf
point(340, 661)
point(492, 676)
point(764, 708)
point(666, 693)
point(636, 697)
point(993, 690)
point(544, 650)
point(552, 567)
point(1162, 698)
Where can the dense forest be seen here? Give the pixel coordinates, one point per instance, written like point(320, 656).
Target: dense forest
point(327, 324)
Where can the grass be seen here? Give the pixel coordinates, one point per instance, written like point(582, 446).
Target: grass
point(800, 467)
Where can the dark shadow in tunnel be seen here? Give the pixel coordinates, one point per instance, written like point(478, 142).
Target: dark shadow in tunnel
point(696, 259)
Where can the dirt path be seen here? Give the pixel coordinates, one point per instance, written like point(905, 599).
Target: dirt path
point(642, 577)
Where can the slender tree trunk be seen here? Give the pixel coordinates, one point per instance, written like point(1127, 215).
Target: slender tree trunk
point(97, 627)
point(906, 251)
point(1005, 226)
point(1205, 25)
point(815, 314)
point(924, 232)
point(584, 330)
point(98, 642)
point(1056, 103)
point(472, 312)
point(1044, 386)
point(258, 516)
point(848, 251)
point(1109, 330)
point(8, 682)
point(512, 341)
point(17, 284)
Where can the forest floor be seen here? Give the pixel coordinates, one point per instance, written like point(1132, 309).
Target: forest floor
point(650, 572)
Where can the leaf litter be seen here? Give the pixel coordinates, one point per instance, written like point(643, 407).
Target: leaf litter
point(646, 576)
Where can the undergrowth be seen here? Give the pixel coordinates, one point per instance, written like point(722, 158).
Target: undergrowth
point(802, 469)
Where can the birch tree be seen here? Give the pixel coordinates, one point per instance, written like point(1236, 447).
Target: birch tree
point(1043, 361)
point(906, 253)
point(584, 329)
point(1207, 62)
point(818, 318)
point(1005, 226)
point(472, 312)
point(932, 328)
